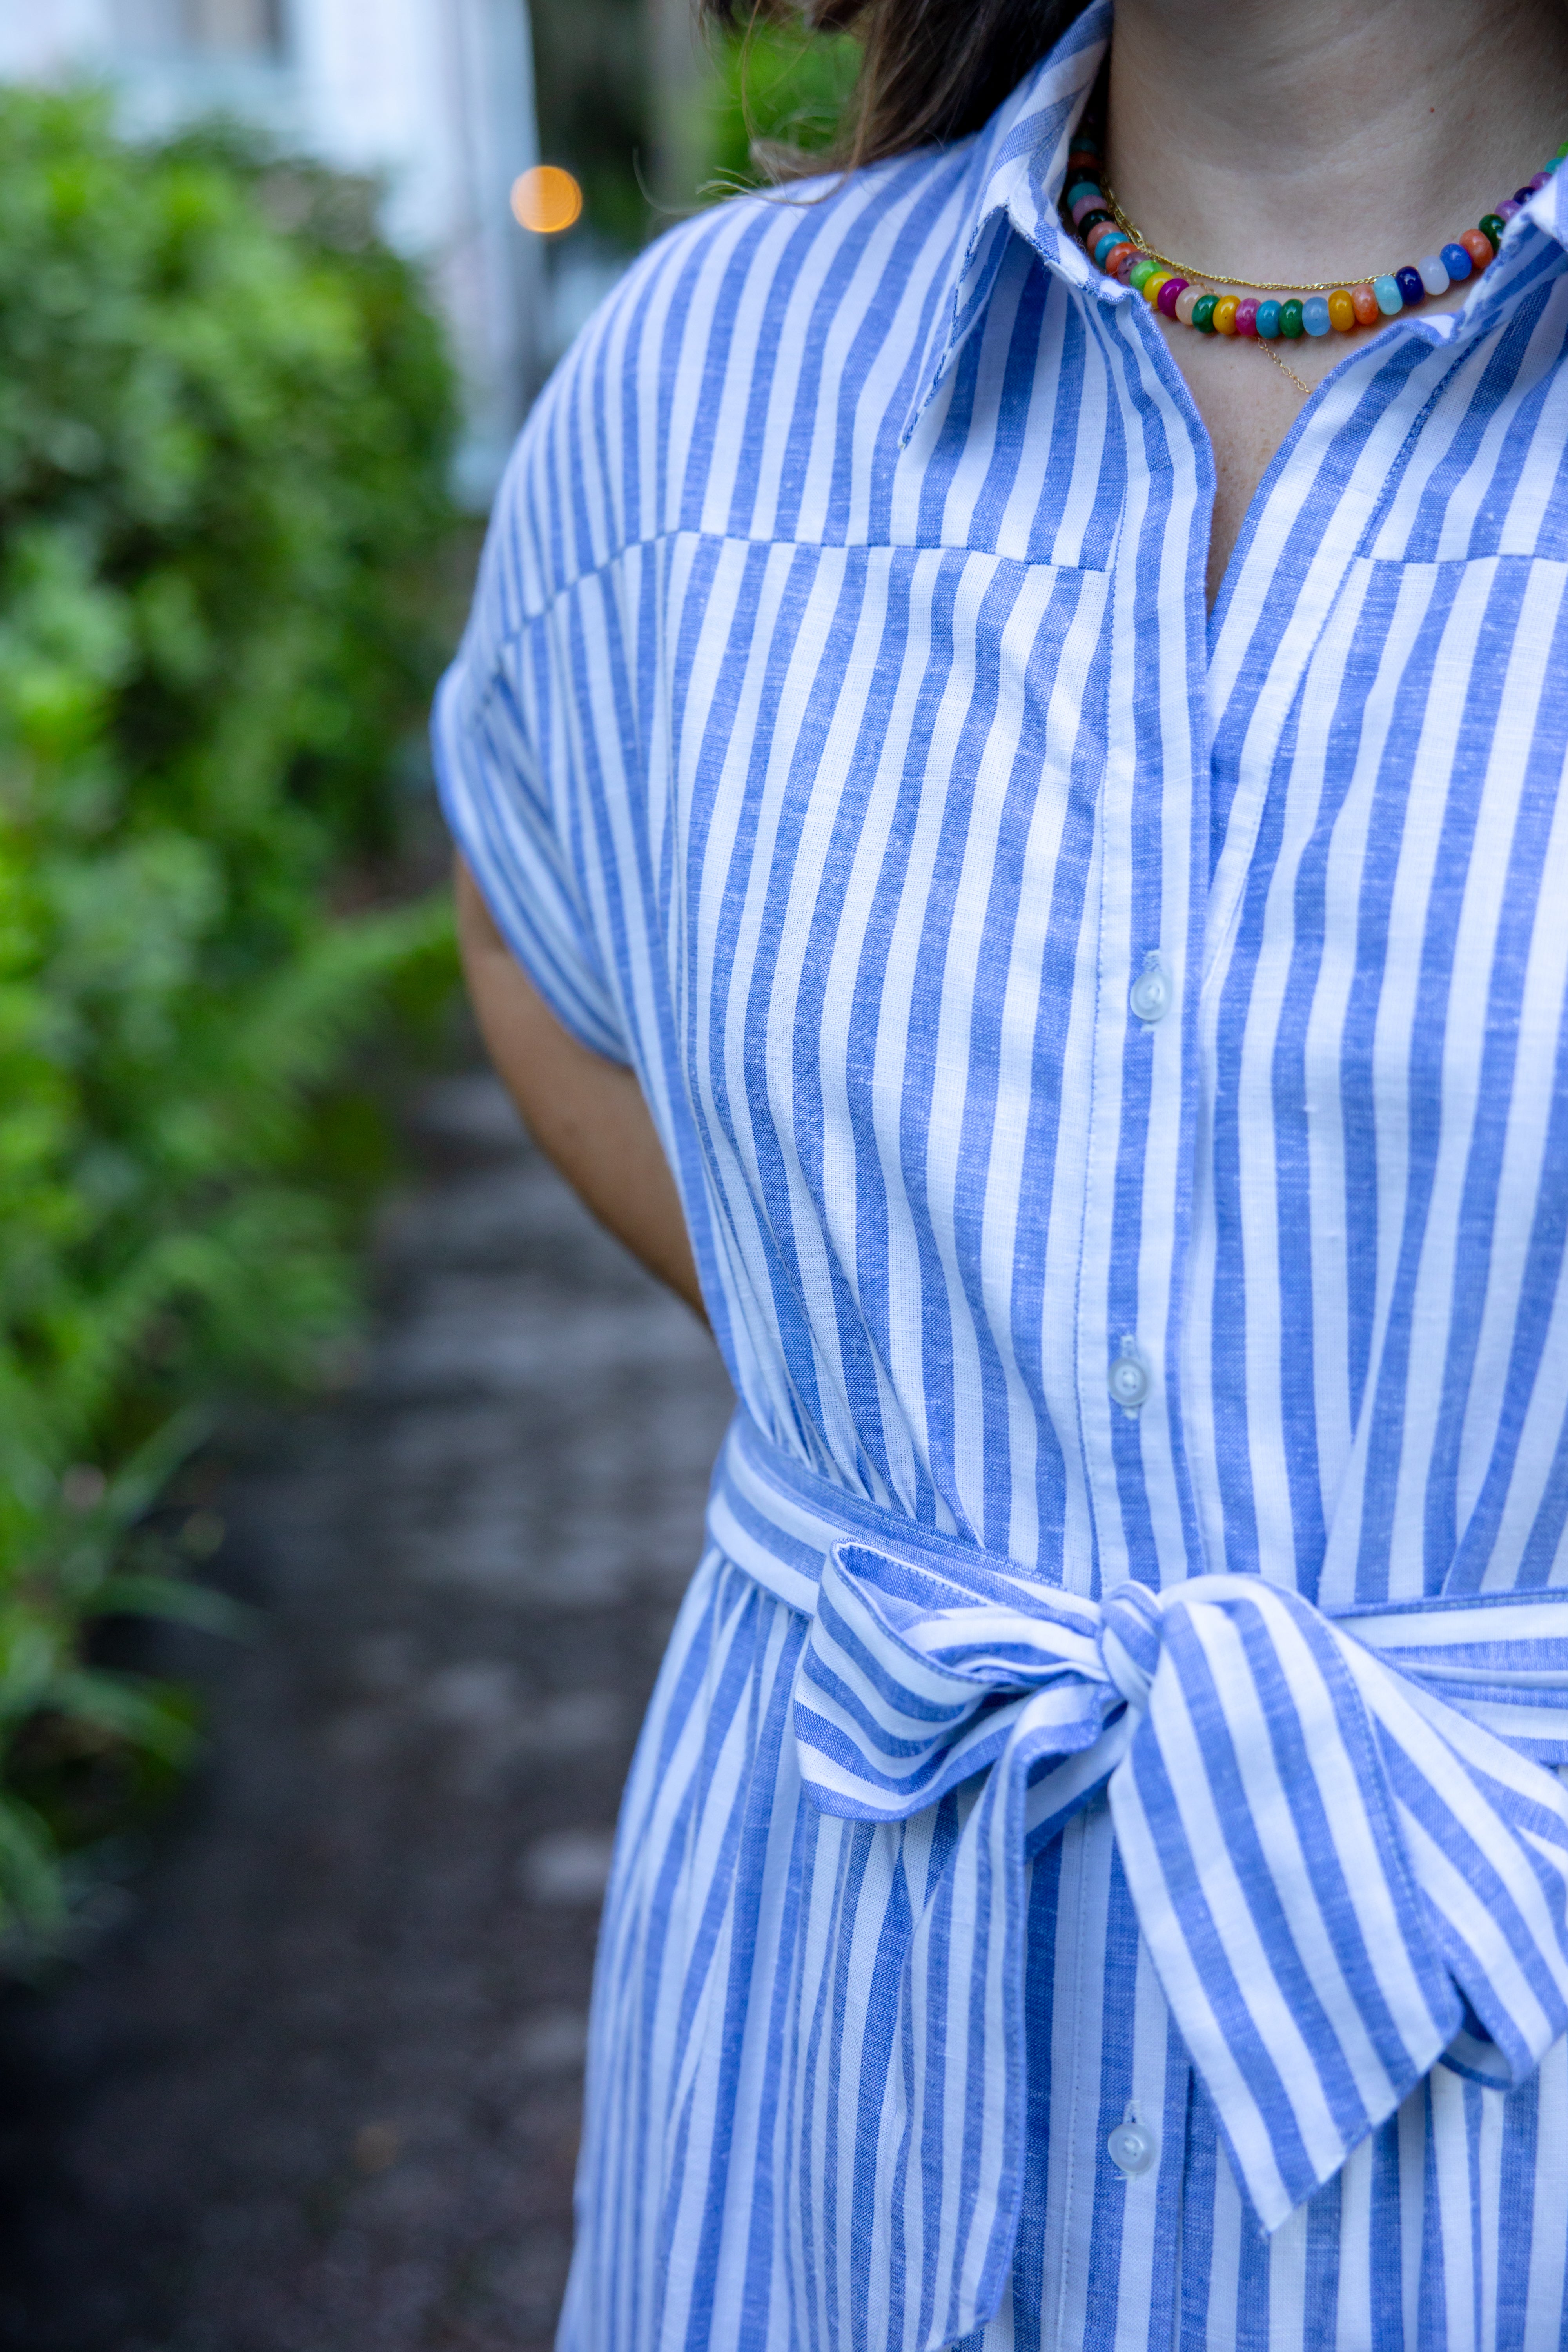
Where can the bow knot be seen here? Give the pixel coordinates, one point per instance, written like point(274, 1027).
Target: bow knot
point(1334, 1870)
point(1130, 1637)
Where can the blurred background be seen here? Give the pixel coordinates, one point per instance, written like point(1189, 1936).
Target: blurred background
point(349, 1476)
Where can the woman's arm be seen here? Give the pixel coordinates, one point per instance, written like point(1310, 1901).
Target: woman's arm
point(585, 1114)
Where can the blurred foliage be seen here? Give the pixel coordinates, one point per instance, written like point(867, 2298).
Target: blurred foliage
point(594, 93)
point(781, 94)
point(224, 422)
point(753, 92)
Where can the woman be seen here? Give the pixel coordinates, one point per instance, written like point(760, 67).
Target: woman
point(1013, 853)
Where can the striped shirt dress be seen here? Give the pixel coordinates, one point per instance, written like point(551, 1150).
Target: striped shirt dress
point(1095, 1873)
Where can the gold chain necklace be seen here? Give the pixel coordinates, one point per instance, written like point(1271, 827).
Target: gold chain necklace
point(1252, 285)
point(1270, 353)
point(1223, 278)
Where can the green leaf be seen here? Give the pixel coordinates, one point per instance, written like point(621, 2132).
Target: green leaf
point(31, 1893)
point(139, 1711)
point(173, 1597)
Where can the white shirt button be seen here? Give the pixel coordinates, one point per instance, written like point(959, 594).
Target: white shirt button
point(1130, 1378)
point(1131, 2147)
point(1153, 992)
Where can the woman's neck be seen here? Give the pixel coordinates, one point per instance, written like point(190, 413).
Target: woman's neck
point(1313, 139)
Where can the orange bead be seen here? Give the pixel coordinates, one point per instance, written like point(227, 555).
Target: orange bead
point(1224, 315)
point(1363, 302)
point(1342, 311)
point(1478, 245)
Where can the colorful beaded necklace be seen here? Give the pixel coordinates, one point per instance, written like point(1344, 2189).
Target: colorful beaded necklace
point(1176, 289)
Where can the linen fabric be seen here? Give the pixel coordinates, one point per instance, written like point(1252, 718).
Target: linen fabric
point(1114, 1064)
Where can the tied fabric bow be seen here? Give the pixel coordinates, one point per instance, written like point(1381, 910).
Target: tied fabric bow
point(1334, 1870)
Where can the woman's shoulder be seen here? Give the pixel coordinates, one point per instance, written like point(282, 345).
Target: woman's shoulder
point(699, 275)
point(657, 396)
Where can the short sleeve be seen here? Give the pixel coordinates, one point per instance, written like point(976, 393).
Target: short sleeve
point(508, 815)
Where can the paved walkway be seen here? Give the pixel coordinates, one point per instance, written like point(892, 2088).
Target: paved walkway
point(319, 2093)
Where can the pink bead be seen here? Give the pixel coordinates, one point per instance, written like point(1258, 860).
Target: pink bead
point(1187, 301)
point(1506, 210)
point(1128, 261)
point(1169, 295)
point(1093, 203)
point(1246, 317)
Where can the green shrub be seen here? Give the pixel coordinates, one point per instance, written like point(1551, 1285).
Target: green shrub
point(225, 422)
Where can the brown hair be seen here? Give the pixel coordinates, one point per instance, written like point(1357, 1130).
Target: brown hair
point(933, 70)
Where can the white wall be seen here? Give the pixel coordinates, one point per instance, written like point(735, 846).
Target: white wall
point(434, 95)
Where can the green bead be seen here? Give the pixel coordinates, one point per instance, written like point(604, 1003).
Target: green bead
point(1493, 226)
point(1139, 274)
point(1203, 314)
point(1290, 318)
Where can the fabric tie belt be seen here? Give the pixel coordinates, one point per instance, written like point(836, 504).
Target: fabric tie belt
point(1344, 1853)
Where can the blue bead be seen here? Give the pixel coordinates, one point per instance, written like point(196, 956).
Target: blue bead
point(1081, 188)
point(1104, 238)
point(1522, 196)
point(1267, 320)
point(1457, 262)
point(1315, 315)
point(1410, 290)
point(1390, 301)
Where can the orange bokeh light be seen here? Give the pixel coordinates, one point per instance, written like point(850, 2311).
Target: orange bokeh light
point(546, 199)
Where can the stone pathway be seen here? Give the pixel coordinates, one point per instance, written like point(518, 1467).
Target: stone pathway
point(319, 2093)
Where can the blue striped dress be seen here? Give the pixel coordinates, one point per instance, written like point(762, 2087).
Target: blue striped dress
point(1094, 1872)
